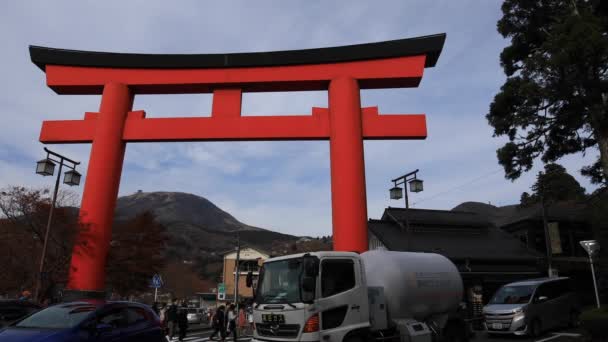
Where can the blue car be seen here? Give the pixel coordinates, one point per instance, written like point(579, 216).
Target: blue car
point(87, 321)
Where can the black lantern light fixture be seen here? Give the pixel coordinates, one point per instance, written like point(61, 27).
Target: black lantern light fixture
point(396, 193)
point(45, 167)
point(72, 178)
point(416, 185)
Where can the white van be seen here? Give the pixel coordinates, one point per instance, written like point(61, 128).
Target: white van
point(531, 307)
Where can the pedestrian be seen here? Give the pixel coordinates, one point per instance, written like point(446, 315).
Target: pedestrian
point(218, 323)
point(163, 318)
point(242, 320)
point(25, 295)
point(172, 319)
point(250, 320)
point(182, 321)
point(231, 322)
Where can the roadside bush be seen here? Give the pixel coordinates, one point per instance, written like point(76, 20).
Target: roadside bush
point(595, 322)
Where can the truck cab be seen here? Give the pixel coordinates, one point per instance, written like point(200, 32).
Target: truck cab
point(311, 297)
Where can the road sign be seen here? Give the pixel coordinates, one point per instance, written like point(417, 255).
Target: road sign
point(221, 288)
point(157, 281)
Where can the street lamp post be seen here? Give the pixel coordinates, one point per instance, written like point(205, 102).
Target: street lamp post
point(592, 247)
point(236, 271)
point(416, 185)
point(46, 167)
point(396, 192)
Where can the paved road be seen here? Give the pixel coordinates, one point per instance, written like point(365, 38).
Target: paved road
point(572, 335)
point(203, 335)
point(569, 335)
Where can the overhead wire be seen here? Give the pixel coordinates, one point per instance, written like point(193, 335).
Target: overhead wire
point(459, 186)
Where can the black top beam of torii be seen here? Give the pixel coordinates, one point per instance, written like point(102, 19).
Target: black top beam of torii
point(430, 46)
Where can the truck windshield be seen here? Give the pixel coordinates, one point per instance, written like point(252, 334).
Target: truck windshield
point(280, 282)
point(520, 294)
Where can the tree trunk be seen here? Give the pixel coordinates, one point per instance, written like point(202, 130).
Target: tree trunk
point(602, 141)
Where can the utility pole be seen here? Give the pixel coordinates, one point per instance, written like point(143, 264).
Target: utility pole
point(545, 225)
point(236, 271)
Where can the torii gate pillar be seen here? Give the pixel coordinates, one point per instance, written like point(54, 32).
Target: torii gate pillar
point(348, 198)
point(101, 189)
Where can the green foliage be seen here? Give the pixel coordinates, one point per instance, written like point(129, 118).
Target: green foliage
point(556, 185)
point(553, 101)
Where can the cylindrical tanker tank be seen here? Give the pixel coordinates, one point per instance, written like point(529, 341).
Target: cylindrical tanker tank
point(416, 285)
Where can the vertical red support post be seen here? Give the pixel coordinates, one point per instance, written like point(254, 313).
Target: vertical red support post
point(348, 196)
point(87, 269)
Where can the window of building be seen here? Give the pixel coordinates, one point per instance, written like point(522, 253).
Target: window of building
point(248, 266)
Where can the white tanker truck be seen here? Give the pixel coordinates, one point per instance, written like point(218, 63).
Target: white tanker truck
point(349, 297)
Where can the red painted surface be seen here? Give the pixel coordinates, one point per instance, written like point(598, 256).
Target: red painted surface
point(226, 103)
point(229, 127)
point(380, 73)
point(345, 124)
point(87, 269)
point(349, 207)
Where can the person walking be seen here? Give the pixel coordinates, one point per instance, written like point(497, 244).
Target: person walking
point(182, 321)
point(163, 318)
point(172, 319)
point(219, 324)
point(231, 324)
point(242, 320)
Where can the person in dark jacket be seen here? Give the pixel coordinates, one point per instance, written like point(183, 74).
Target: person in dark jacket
point(172, 319)
point(219, 324)
point(182, 321)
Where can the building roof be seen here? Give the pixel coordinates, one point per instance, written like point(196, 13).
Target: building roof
point(430, 46)
point(437, 217)
point(456, 235)
point(561, 211)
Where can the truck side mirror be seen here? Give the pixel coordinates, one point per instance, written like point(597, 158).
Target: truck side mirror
point(249, 280)
point(311, 266)
point(309, 286)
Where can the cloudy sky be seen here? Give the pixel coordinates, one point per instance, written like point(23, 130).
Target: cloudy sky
point(283, 186)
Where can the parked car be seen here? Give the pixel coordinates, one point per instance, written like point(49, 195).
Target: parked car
point(196, 316)
point(88, 320)
point(531, 307)
point(14, 310)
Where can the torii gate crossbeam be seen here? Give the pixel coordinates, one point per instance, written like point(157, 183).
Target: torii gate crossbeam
point(342, 71)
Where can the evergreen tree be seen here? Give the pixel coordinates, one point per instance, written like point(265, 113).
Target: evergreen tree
point(554, 101)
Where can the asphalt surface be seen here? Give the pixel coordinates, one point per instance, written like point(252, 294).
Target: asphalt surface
point(203, 335)
point(566, 335)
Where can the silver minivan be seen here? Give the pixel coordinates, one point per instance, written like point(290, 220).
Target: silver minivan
point(530, 307)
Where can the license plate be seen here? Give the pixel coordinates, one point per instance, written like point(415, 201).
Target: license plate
point(273, 318)
point(496, 325)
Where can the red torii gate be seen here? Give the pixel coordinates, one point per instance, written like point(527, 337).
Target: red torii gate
point(118, 77)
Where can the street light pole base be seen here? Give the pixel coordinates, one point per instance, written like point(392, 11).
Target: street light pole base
point(75, 295)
